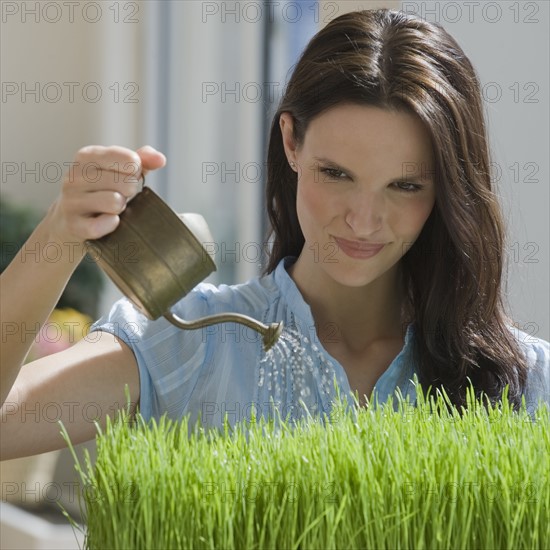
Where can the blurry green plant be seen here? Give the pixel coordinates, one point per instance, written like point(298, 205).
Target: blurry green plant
point(423, 476)
point(83, 289)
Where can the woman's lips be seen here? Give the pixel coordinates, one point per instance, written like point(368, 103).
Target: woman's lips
point(358, 249)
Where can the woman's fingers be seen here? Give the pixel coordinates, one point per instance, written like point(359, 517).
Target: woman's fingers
point(96, 168)
point(151, 159)
point(84, 185)
point(97, 187)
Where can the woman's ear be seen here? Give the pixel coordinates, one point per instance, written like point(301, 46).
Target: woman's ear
point(286, 123)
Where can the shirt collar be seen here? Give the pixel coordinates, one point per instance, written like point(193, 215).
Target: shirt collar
point(299, 306)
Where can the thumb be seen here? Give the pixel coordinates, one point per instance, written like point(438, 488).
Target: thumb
point(151, 159)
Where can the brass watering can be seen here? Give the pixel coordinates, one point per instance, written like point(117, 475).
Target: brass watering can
point(155, 258)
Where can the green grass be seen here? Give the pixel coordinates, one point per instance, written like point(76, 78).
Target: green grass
point(423, 477)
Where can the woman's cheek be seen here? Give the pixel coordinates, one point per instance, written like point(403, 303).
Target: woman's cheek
point(311, 202)
point(420, 213)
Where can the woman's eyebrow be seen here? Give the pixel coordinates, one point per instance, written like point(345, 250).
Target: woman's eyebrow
point(425, 175)
point(324, 160)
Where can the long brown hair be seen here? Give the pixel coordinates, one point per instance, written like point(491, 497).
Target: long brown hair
point(453, 272)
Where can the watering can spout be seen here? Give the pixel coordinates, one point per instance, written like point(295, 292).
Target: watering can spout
point(270, 333)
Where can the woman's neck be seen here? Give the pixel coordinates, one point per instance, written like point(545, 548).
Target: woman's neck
point(355, 317)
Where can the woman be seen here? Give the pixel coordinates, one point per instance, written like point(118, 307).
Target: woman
point(387, 258)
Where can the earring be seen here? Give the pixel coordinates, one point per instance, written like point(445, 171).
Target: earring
point(292, 165)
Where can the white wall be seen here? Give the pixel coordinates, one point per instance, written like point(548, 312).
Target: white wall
point(47, 51)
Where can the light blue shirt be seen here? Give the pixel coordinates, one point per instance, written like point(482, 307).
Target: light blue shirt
point(223, 370)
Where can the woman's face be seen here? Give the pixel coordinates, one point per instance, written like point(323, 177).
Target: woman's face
point(365, 189)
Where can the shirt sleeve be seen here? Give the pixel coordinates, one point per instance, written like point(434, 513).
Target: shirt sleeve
point(537, 353)
point(169, 359)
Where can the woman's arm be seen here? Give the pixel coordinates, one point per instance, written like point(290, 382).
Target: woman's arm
point(30, 288)
point(78, 386)
point(94, 192)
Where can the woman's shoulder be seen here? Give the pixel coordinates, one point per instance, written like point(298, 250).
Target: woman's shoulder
point(535, 349)
point(537, 354)
point(256, 294)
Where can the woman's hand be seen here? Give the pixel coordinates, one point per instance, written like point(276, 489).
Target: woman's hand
point(97, 188)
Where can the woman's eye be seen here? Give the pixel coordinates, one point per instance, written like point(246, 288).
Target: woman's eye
point(407, 187)
point(333, 173)
point(402, 186)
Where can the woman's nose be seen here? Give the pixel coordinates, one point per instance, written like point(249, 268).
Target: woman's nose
point(365, 213)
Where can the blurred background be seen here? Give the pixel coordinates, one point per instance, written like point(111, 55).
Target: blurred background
point(200, 80)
